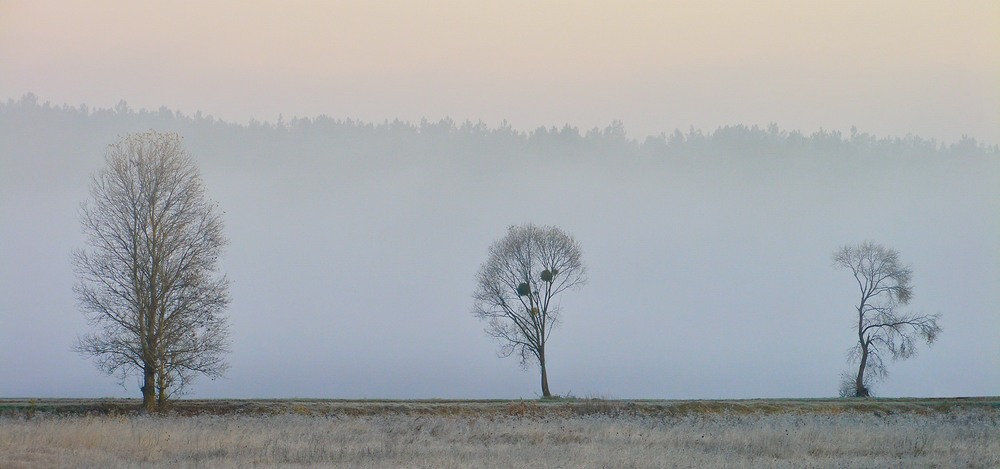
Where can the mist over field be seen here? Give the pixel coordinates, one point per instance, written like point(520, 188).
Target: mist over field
point(354, 247)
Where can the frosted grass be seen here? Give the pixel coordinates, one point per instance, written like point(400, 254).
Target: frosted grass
point(965, 438)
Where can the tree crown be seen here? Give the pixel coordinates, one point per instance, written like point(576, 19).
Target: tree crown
point(525, 270)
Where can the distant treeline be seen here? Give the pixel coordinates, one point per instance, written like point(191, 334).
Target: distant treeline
point(19, 116)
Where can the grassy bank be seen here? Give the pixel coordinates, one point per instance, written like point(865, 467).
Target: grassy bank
point(496, 408)
point(558, 433)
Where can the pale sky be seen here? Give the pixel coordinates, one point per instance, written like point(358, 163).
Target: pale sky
point(929, 68)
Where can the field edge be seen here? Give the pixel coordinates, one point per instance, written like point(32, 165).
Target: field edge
point(28, 407)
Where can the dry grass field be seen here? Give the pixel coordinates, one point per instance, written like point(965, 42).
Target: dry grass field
point(446, 434)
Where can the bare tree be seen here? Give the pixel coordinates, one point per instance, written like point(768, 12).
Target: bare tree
point(883, 331)
point(147, 281)
point(527, 269)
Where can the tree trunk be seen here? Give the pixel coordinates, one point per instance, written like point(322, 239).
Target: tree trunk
point(860, 390)
point(545, 376)
point(161, 398)
point(148, 389)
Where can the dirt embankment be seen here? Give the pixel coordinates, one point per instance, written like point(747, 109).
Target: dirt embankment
point(499, 408)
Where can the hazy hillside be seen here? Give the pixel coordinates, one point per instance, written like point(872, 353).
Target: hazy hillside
point(354, 245)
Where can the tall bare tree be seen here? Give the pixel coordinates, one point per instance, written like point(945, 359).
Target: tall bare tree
point(883, 331)
point(147, 280)
point(525, 271)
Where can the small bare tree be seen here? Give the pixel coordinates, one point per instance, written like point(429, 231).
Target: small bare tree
point(883, 331)
point(147, 281)
point(527, 269)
